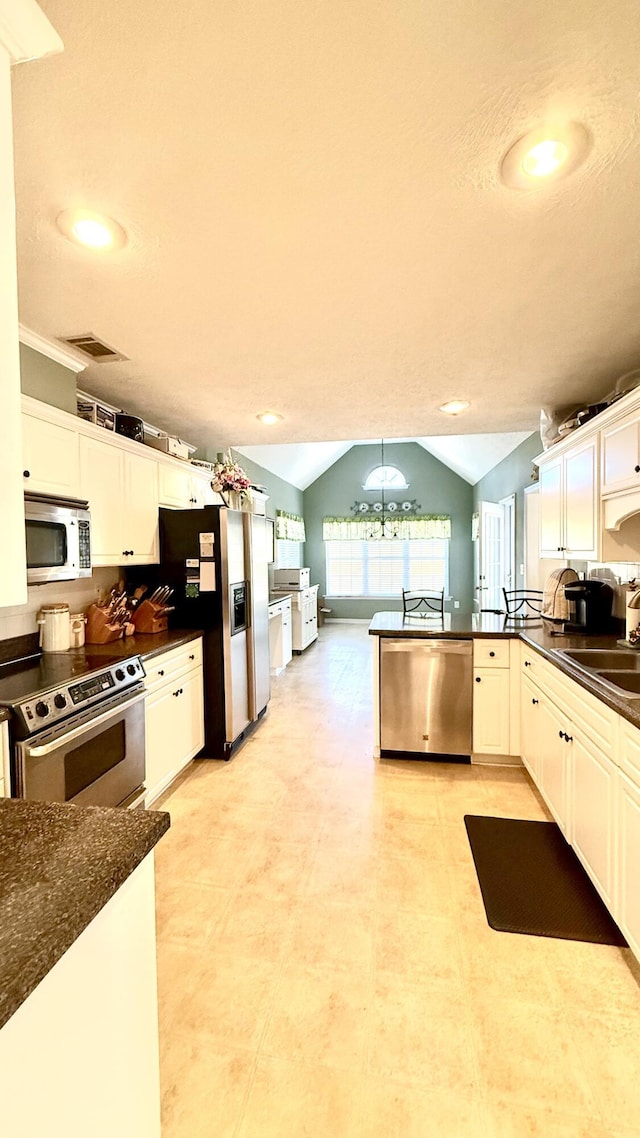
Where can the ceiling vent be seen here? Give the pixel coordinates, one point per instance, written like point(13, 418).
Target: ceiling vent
point(96, 349)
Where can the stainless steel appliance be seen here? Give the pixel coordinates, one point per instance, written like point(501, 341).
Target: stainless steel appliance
point(216, 559)
point(425, 697)
point(58, 538)
point(77, 732)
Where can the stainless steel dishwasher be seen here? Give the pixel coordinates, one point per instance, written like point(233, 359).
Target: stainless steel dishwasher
point(425, 696)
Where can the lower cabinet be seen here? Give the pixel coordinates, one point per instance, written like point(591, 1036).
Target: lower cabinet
point(174, 714)
point(628, 860)
point(491, 711)
point(304, 618)
point(593, 796)
point(280, 646)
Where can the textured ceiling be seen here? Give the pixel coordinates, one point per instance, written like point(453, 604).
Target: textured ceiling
point(316, 224)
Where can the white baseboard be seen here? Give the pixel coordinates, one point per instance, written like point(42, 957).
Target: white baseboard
point(348, 620)
point(496, 760)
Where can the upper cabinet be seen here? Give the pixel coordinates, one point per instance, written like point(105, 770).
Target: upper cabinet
point(122, 491)
point(621, 455)
point(50, 454)
point(569, 503)
point(25, 33)
point(182, 488)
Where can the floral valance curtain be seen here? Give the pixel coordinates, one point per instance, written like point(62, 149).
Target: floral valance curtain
point(289, 527)
point(428, 526)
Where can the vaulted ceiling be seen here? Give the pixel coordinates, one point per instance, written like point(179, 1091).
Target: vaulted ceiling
point(315, 217)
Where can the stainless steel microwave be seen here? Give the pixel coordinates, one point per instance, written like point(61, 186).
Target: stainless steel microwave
point(58, 532)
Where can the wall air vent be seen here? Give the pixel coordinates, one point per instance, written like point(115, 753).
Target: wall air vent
point(96, 349)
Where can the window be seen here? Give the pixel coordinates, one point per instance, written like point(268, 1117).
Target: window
point(386, 478)
point(384, 568)
point(288, 554)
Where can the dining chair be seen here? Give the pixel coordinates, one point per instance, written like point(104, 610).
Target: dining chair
point(523, 603)
point(423, 602)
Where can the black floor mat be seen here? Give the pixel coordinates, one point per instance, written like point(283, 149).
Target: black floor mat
point(532, 882)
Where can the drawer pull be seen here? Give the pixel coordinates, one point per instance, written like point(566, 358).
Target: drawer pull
point(534, 701)
point(192, 656)
point(527, 663)
point(478, 679)
point(179, 691)
point(492, 653)
point(161, 671)
point(637, 469)
point(26, 474)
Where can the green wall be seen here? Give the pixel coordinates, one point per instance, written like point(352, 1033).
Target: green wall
point(510, 477)
point(47, 380)
point(436, 488)
point(282, 495)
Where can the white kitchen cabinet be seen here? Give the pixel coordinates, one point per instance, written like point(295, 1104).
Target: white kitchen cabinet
point(122, 490)
point(593, 798)
point(569, 503)
point(25, 33)
point(174, 710)
point(51, 457)
point(627, 912)
point(304, 617)
point(181, 488)
point(5, 774)
point(491, 711)
point(81, 1054)
point(496, 692)
point(280, 643)
point(620, 445)
point(554, 759)
point(530, 728)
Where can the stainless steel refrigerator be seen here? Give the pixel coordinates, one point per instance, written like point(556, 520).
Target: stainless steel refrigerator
point(216, 561)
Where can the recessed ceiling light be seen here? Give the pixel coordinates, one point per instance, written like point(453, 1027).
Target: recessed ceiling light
point(269, 418)
point(545, 155)
point(455, 406)
point(94, 230)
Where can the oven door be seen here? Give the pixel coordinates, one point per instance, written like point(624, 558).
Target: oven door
point(96, 758)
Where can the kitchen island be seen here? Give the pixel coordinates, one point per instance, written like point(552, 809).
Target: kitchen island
point(78, 993)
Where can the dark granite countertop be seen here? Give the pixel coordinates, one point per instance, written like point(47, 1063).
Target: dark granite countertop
point(537, 634)
point(454, 625)
point(145, 646)
point(59, 865)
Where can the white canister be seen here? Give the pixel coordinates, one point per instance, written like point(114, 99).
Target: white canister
point(77, 621)
point(55, 631)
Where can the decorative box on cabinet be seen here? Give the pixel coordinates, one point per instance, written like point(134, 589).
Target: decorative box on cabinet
point(174, 710)
point(122, 490)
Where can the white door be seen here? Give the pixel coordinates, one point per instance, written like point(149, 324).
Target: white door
point(491, 556)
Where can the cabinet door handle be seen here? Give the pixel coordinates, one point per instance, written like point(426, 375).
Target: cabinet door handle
point(179, 691)
point(568, 738)
point(534, 701)
point(527, 663)
point(492, 653)
point(161, 671)
point(561, 734)
point(478, 679)
point(26, 474)
point(637, 469)
point(192, 656)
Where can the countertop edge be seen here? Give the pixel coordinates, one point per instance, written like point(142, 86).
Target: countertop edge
point(63, 908)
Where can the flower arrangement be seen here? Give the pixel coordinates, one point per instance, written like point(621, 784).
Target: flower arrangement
point(228, 477)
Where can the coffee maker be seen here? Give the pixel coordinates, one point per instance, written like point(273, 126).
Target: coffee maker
point(593, 602)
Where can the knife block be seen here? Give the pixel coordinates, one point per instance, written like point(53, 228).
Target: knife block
point(98, 630)
point(150, 618)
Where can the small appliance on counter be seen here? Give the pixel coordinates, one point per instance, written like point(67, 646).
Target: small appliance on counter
point(130, 426)
point(55, 628)
point(593, 602)
point(296, 579)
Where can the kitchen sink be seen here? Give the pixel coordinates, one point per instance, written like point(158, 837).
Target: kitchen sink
point(608, 661)
point(628, 681)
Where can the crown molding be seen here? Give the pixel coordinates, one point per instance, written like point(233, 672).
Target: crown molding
point(50, 349)
point(25, 31)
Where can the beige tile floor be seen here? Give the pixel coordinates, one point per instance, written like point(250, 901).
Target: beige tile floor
point(325, 965)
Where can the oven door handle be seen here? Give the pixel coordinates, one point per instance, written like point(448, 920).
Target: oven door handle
point(68, 736)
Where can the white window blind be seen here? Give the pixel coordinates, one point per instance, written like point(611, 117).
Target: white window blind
point(384, 568)
point(288, 554)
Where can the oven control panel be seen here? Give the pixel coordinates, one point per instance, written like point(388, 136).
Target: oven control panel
point(50, 706)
